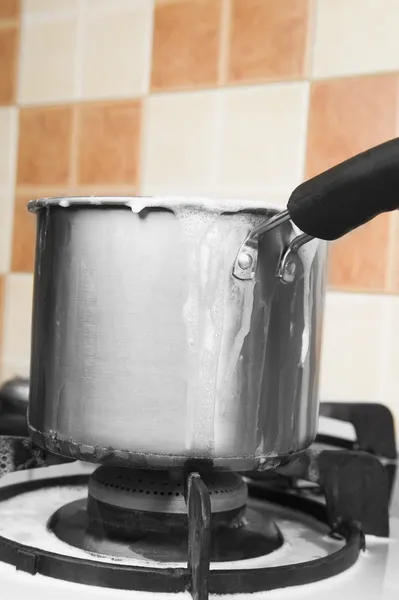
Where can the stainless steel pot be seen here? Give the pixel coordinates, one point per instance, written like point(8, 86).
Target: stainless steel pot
point(169, 330)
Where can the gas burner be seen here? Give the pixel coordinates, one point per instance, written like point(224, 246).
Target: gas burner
point(143, 515)
point(163, 491)
point(312, 511)
point(347, 478)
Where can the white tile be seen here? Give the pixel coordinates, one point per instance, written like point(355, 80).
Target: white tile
point(355, 37)
point(116, 49)
point(8, 151)
point(36, 7)
point(15, 350)
point(352, 346)
point(6, 229)
point(262, 140)
point(389, 393)
point(178, 143)
point(8, 146)
point(47, 61)
point(112, 5)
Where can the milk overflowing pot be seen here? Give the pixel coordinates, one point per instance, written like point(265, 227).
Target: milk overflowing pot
point(167, 330)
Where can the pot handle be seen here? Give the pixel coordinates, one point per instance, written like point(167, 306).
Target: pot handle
point(348, 195)
point(335, 202)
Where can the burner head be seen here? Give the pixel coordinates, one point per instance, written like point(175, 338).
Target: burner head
point(143, 514)
point(163, 491)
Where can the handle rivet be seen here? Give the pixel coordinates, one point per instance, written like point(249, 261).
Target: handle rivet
point(245, 260)
point(289, 271)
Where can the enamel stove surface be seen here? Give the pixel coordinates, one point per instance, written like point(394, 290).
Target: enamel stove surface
point(375, 575)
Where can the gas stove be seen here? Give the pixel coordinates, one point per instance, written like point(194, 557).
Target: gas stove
point(322, 522)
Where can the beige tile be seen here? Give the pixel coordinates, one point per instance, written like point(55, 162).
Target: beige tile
point(112, 5)
point(117, 53)
point(49, 6)
point(389, 392)
point(178, 143)
point(6, 227)
point(352, 345)
point(356, 36)
point(393, 255)
point(15, 351)
point(2, 286)
point(47, 63)
point(263, 134)
point(8, 145)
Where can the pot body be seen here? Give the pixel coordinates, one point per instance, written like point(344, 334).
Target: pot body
point(148, 352)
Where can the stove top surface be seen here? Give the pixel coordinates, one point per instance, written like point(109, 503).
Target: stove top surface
point(375, 575)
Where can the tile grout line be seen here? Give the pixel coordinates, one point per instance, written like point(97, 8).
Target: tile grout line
point(18, 60)
point(189, 90)
point(142, 103)
point(61, 190)
point(150, 42)
point(14, 144)
point(74, 105)
point(311, 32)
point(340, 76)
point(362, 290)
point(310, 38)
point(224, 41)
point(78, 65)
point(305, 133)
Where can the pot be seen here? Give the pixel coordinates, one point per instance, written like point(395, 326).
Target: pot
point(167, 330)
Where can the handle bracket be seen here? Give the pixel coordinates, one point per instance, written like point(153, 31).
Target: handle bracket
point(288, 265)
point(244, 267)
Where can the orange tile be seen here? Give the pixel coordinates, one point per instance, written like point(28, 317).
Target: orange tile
point(186, 44)
point(267, 39)
point(8, 64)
point(24, 235)
point(348, 116)
point(108, 143)
point(359, 260)
point(44, 145)
point(9, 9)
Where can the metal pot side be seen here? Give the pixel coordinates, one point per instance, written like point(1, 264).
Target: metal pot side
point(147, 351)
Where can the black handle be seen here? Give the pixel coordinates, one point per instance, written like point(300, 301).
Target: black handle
point(348, 195)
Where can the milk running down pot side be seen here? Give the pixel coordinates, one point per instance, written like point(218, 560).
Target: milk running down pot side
point(168, 330)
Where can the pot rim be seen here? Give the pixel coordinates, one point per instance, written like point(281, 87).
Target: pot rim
point(139, 203)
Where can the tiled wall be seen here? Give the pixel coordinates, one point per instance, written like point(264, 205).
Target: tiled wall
point(221, 97)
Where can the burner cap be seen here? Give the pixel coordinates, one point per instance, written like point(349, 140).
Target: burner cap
point(163, 491)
